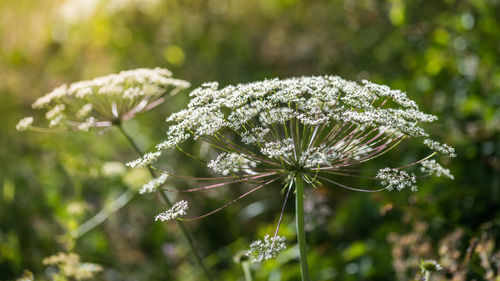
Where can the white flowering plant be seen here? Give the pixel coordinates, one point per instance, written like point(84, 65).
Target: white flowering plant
point(297, 131)
point(105, 100)
point(108, 101)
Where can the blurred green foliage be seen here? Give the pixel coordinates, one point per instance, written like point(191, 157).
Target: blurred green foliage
point(445, 54)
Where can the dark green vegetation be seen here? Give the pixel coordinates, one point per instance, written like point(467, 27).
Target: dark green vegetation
point(444, 54)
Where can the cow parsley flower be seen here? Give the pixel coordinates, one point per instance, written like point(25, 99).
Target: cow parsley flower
point(153, 184)
point(315, 129)
point(145, 160)
point(105, 100)
point(266, 249)
point(440, 148)
point(399, 179)
point(177, 210)
point(24, 124)
point(230, 162)
point(431, 167)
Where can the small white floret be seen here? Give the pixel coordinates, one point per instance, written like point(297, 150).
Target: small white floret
point(153, 184)
point(146, 160)
point(266, 249)
point(24, 124)
point(177, 210)
point(399, 179)
point(440, 148)
point(431, 167)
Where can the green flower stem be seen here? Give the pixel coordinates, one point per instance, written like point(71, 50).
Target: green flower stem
point(301, 234)
point(163, 194)
point(109, 209)
point(427, 275)
point(246, 271)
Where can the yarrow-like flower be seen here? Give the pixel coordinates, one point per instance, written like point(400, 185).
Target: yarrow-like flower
point(440, 148)
point(431, 167)
point(267, 248)
point(177, 210)
point(153, 184)
point(399, 179)
point(230, 162)
point(24, 124)
point(105, 100)
point(145, 160)
point(317, 128)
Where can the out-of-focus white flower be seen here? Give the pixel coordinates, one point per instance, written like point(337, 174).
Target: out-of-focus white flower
point(24, 124)
point(431, 167)
point(177, 210)
point(266, 249)
point(440, 147)
point(146, 160)
point(104, 101)
point(153, 185)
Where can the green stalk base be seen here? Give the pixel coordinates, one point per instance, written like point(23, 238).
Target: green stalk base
point(301, 234)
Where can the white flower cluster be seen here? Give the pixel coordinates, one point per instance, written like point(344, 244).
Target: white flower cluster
point(255, 135)
point(177, 210)
point(24, 124)
point(153, 184)
point(279, 148)
point(227, 163)
point(268, 248)
point(318, 156)
point(89, 123)
point(316, 100)
point(146, 160)
point(399, 179)
point(440, 148)
point(317, 124)
point(107, 99)
point(431, 167)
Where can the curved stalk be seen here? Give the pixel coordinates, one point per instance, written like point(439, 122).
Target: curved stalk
point(164, 196)
point(246, 271)
point(301, 234)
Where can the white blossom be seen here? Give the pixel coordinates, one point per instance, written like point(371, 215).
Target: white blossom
point(278, 149)
point(89, 123)
point(312, 101)
point(266, 249)
point(145, 160)
point(255, 135)
point(277, 115)
point(55, 111)
point(84, 111)
point(24, 124)
point(108, 99)
point(319, 127)
point(318, 156)
point(399, 179)
point(177, 210)
point(230, 162)
point(395, 95)
point(440, 148)
point(153, 184)
point(431, 167)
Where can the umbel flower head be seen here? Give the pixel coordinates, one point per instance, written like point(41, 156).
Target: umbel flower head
point(267, 248)
point(105, 100)
point(319, 128)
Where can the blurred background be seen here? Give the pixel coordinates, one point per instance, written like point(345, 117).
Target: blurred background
point(444, 54)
